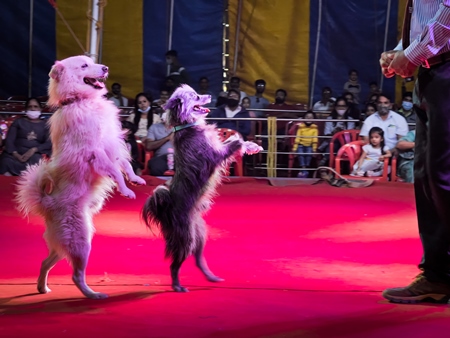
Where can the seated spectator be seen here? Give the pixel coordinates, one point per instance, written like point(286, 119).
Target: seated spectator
point(143, 118)
point(257, 101)
point(159, 140)
point(177, 72)
point(373, 154)
point(340, 113)
point(306, 142)
point(203, 89)
point(407, 110)
point(326, 103)
point(353, 111)
point(405, 165)
point(27, 141)
point(370, 109)
point(231, 110)
point(132, 146)
point(353, 86)
point(235, 83)
point(116, 95)
point(394, 125)
point(164, 94)
point(280, 102)
point(222, 99)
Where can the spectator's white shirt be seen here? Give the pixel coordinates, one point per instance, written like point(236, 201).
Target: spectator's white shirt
point(323, 107)
point(117, 101)
point(394, 125)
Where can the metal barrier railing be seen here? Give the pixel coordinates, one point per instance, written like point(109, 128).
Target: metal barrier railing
point(272, 136)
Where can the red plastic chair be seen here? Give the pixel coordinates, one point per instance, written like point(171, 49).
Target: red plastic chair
point(352, 151)
point(238, 166)
point(145, 156)
point(343, 137)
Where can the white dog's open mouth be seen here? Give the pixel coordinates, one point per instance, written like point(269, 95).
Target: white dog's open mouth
point(201, 110)
point(96, 83)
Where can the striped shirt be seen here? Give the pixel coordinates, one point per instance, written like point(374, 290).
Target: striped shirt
point(430, 30)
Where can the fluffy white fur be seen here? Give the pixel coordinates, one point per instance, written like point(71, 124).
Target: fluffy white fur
point(89, 158)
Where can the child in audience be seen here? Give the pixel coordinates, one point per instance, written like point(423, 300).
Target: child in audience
point(373, 155)
point(306, 142)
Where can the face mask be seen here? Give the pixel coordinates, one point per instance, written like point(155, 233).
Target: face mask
point(407, 105)
point(341, 112)
point(279, 100)
point(163, 117)
point(33, 114)
point(382, 110)
point(232, 103)
point(145, 110)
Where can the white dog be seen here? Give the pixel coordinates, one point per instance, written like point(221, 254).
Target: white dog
point(89, 157)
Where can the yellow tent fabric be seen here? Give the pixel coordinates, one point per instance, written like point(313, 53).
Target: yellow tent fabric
point(122, 39)
point(273, 45)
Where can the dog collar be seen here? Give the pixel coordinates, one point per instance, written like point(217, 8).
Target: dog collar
point(69, 101)
point(183, 126)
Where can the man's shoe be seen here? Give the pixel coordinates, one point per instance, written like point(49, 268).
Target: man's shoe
point(421, 290)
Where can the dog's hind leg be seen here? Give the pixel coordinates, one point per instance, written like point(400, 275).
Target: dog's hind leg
point(79, 260)
point(174, 272)
point(200, 260)
point(46, 266)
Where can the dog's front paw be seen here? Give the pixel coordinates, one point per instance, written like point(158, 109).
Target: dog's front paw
point(252, 148)
point(125, 192)
point(137, 180)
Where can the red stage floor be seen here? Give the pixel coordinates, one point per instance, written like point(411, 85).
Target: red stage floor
point(298, 261)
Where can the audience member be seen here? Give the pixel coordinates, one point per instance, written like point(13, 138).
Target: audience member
point(257, 101)
point(116, 95)
point(27, 141)
point(394, 125)
point(306, 142)
point(203, 89)
point(326, 103)
point(132, 146)
point(231, 110)
point(176, 71)
point(405, 165)
point(159, 140)
point(407, 110)
point(373, 154)
point(352, 85)
point(142, 117)
point(164, 94)
point(235, 83)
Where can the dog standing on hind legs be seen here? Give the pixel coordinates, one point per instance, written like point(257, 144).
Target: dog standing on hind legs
point(89, 157)
point(200, 160)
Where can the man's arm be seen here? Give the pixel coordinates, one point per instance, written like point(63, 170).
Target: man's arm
point(434, 37)
point(151, 144)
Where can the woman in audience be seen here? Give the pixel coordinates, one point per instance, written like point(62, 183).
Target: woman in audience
point(143, 117)
point(27, 141)
point(369, 109)
point(340, 113)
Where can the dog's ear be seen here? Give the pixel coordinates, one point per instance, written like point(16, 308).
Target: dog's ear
point(56, 71)
point(171, 104)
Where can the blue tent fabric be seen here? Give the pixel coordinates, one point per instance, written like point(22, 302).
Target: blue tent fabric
point(14, 47)
point(197, 37)
point(352, 37)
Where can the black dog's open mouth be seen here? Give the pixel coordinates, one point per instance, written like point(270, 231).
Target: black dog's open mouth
point(96, 83)
point(201, 110)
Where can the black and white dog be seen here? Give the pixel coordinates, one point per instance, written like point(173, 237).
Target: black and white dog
point(200, 159)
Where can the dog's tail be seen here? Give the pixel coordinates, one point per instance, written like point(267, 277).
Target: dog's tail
point(32, 186)
point(158, 212)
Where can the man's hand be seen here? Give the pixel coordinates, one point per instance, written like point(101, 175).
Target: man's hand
point(400, 65)
point(385, 62)
point(28, 154)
